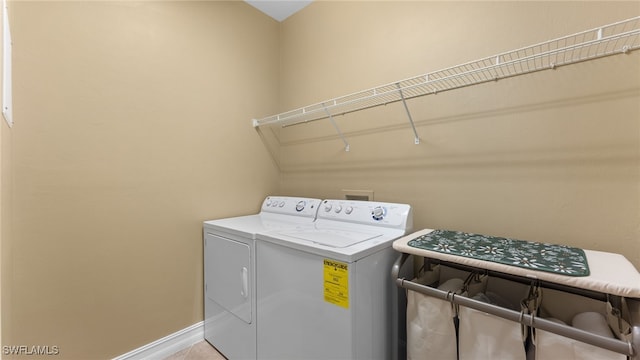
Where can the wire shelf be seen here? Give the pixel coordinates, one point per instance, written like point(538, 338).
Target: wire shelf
point(616, 38)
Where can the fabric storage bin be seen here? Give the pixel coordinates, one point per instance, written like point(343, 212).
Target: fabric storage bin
point(581, 312)
point(431, 333)
point(484, 336)
point(553, 347)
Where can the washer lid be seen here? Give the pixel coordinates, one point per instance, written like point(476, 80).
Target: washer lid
point(336, 238)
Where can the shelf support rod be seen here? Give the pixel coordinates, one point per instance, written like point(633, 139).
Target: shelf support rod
point(416, 139)
point(335, 126)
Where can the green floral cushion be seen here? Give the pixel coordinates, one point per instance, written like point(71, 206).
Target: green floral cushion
point(559, 259)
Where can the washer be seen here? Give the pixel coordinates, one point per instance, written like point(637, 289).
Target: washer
point(230, 271)
point(326, 292)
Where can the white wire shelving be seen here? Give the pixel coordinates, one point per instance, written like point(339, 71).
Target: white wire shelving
point(617, 38)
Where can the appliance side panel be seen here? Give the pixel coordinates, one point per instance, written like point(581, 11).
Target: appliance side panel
point(379, 309)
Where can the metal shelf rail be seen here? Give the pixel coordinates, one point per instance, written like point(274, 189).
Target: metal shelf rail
point(629, 349)
point(616, 38)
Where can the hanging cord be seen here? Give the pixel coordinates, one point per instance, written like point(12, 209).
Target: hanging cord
point(471, 277)
point(615, 311)
point(617, 323)
point(533, 330)
point(474, 278)
point(530, 306)
point(455, 308)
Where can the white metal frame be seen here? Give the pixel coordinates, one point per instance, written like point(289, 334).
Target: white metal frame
point(616, 38)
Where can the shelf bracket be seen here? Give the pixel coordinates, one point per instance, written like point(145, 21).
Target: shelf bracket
point(416, 139)
point(335, 126)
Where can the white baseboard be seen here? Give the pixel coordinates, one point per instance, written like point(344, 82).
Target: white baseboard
point(168, 345)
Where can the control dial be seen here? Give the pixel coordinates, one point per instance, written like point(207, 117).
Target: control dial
point(338, 209)
point(300, 205)
point(378, 213)
point(327, 207)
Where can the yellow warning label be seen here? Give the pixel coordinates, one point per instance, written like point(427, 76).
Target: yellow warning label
point(336, 283)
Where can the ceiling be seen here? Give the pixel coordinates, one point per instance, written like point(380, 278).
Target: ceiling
point(279, 9)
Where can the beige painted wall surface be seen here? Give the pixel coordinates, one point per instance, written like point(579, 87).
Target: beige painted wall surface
point(132, 126)
point(4, 183)
point(552, 156)
point(5, 233)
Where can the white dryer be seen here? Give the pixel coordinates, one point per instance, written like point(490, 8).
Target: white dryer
point(230, 271)
point(326, 292)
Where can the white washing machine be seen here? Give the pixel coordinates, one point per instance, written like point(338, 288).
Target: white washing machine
point(230, 271)
point(326, 292)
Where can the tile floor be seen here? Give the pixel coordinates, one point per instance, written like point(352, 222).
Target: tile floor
point(198, 351)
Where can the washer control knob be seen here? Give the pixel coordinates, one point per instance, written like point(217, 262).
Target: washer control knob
point(338, 209)
point(348, 210)
point(281, 204)
point(300, 205)
point(268, 203)
point(378, 213)
point(327, 207)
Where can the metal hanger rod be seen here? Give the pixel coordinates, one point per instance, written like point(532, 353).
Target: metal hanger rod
point(346, 143)
point(416, 139)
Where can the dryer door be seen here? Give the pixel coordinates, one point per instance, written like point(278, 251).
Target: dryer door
point(228, 275)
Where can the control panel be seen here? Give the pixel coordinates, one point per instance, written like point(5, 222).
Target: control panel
point(367, 212)
point(287, 205)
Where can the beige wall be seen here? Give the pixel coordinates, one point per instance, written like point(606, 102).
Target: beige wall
point(552, 156)
point(5, 226)
point(132, 126)
point(4, 189)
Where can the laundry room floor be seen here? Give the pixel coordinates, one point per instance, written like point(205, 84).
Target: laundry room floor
point(198, 351)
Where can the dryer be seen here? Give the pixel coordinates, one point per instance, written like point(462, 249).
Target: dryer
point(325, 291)
point(230, 270)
